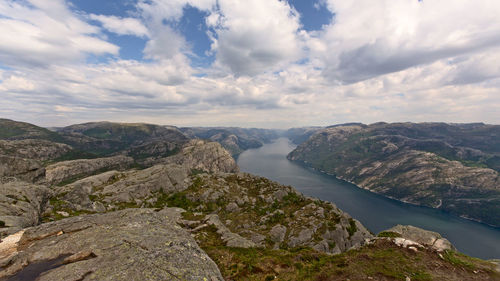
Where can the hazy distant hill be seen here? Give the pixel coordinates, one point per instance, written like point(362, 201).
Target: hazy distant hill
point(453, 167)
point(235, 140)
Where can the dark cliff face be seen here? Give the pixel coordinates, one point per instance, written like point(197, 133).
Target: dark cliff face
point(449, 166)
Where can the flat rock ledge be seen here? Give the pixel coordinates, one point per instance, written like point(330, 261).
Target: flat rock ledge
point(420, 236)
point(132, 244)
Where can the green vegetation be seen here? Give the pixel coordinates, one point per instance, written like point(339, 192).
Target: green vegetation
point(388, 234)
point(10, 129)
point(382, 260)
point(352, 227)
point(2, 224)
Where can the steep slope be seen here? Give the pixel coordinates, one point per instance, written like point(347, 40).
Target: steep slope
point(432, 164)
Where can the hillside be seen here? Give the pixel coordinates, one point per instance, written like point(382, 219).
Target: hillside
point(190, 215)
point(448, 166)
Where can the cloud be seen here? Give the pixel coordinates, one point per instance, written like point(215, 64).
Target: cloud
point(371, 38)
point(39, 33)
point(255, 36)
point(376, 61)
point(122, 26)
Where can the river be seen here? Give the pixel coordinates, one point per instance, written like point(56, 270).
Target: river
point(376, 212)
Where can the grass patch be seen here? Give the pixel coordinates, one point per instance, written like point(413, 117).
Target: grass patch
point(389, 234)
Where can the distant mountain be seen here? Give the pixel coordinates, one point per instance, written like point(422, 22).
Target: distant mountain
point(139, 139)
point(300, 135)
point(15, 130)
point(454, 167)
point(235, 140)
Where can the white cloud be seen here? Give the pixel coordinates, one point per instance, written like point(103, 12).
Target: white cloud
point(377, 61)
point(255, 36)
point(370, 38)
point(122, 26)
point(46, 32)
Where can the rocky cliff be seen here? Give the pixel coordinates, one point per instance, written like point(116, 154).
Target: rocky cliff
point(451, 167)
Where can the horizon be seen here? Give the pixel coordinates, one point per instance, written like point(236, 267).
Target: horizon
point(266, 128)
point(252, 64)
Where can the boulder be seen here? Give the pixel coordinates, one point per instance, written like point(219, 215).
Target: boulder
point(423, 237)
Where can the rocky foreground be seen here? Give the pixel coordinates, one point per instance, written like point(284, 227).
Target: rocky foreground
point(186, 213)
point(450, 167)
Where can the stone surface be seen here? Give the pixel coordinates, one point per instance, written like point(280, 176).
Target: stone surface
point(21, 205)
point(41, 150)
point(21, 168)
point(423, 237)
point(203, 156)
point(133, 244)
point(67, 170)
point(231, 239)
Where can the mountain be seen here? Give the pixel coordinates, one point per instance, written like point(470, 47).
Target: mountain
point(15, 130)
point(453, 167)
point(189, 215)
point(300, 135)
point(139, 139)
point(235, 140)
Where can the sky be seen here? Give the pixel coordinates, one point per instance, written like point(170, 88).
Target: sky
point(259, 63)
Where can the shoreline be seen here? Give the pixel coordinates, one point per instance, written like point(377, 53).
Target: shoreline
point(306, 164)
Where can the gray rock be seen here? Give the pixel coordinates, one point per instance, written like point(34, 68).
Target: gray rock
point(204, 156)
point(21, 168)
point(133, 244)
point(304, 236)
point(232, 207)
point(123, 187)
point(423, 237)
point(65, 170)
point(231, 239)
point(34, 149)
point(277, 233)
point(21, 205)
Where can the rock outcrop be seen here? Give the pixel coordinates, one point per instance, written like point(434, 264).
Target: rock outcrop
point(67, 170)
point(262, 213)
point(203, 156)
point(21, 205)
point(21, 168)
point(133, 244)
point(421, 236)
point(110, 190)
point(33, 149)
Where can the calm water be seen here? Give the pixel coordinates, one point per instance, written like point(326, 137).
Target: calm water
point(374, 211)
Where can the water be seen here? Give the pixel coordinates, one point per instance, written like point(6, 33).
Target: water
point(376, 212)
